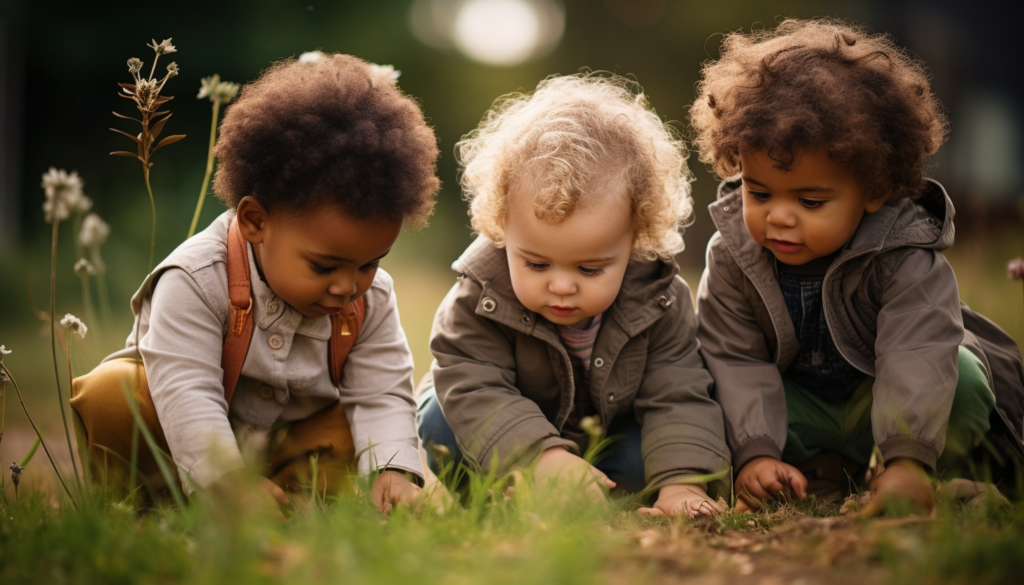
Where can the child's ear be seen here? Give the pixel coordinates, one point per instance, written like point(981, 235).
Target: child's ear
point(252, 219)
point(874, 204)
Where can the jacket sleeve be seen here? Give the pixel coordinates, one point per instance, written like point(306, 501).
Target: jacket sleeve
point(682, 431)
point(376, 387)
point(181, 349)
point(919, 332)
point(475, 380)
point(748, 384)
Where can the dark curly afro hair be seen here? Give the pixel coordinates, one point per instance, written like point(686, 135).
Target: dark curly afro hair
point(820, 84)
point(328, 128)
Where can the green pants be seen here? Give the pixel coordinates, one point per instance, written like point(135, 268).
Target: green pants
point(818, 424)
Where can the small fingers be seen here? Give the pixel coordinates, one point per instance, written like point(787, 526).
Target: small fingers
point(798, 482)
point(652, 512)
point(602, 478)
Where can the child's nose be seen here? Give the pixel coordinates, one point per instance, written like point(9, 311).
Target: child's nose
point(562, 286)
point(343, 286)
point(778, 215)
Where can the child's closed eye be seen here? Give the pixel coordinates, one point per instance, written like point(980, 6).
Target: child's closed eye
point(321, 269)
point(760, 196)
point(811, 203)
point(370, 266)
point(538, 266)
point(586, 271)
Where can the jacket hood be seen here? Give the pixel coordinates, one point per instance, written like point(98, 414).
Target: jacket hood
point(926, 222)
point(645, 285)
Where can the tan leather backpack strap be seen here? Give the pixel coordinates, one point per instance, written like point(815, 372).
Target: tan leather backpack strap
point(345, 328)
point(239, 334)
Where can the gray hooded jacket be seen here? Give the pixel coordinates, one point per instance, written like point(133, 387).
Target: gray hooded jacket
point(892, 307)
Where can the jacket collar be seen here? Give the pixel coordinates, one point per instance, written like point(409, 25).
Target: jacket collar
point(645, 293)
point(923, 223)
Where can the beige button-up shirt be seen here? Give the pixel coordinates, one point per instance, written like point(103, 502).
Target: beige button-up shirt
point(182, 312)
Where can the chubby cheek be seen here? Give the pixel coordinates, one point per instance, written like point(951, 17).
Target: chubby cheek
point(754, 221)
point(528, 287)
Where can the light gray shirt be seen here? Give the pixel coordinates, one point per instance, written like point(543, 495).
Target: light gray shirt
point(182, 312)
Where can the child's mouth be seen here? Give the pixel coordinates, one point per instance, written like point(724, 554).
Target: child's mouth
point(785, 247)
point(327, 310)
point(561, 311)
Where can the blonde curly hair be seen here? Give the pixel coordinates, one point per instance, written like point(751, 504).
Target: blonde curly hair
point(568, 133)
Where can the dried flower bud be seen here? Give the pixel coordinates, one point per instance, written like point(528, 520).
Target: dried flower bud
point(163, 48)
point(94, 231)
point(1015, 268)
point(84, 268)
point(3, 373)
point(4, 351)
point(134, 65)
point(73, 324)
point(16, 473)
point(591, 425)
point(439, 451)
point(172, 69)
point(63, 192)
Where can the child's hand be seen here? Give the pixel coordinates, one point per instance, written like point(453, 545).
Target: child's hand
point(764, 477)
point(904, 480)
point(683, 499)
point(236, 486)
point(557, 464)
point(392, 489)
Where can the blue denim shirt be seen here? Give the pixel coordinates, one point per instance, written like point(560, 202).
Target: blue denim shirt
point(818, 367)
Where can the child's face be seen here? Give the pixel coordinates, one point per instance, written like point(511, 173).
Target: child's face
point(803, 213)
point(571, 271)
point(317, 260)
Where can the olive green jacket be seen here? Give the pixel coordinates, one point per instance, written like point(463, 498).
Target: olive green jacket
point(505, 383)
point(892, 307)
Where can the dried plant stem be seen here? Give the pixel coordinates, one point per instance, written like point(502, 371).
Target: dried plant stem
point(152, 208)
point(101, 288)
point(53, 341)
point(209, 169)
point(90, 310)
point(39, 436)
point(71, 381)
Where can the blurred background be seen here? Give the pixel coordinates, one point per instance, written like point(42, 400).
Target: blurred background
point(60, 62)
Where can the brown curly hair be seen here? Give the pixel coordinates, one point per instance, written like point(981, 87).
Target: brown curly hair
point(328, 128)
point(820, 84)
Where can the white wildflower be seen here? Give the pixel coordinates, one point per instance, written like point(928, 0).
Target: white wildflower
point(63, 192)
point(74, 325)
point(84, 268)
point(311, 57)
point(134, 65)
point(94, 231)
point(384, 74)
point(4, 350)
point(163, 48)
point(215, 89)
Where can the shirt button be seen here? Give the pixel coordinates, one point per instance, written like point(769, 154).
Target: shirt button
point(611, 397)
point(273, 306)
point(275, 341)
point(598, 362)
point(266, 392)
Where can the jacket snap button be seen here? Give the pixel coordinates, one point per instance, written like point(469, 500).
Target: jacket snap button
point(272, 306)
point(598, 362)
point(526, 319)
point(488, 304)
point(665, 302)
point(266, 392)
point(611, 398)
point(726, 208)
point(275, 341)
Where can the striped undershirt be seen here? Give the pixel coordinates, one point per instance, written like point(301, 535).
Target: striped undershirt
point(579, 343)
